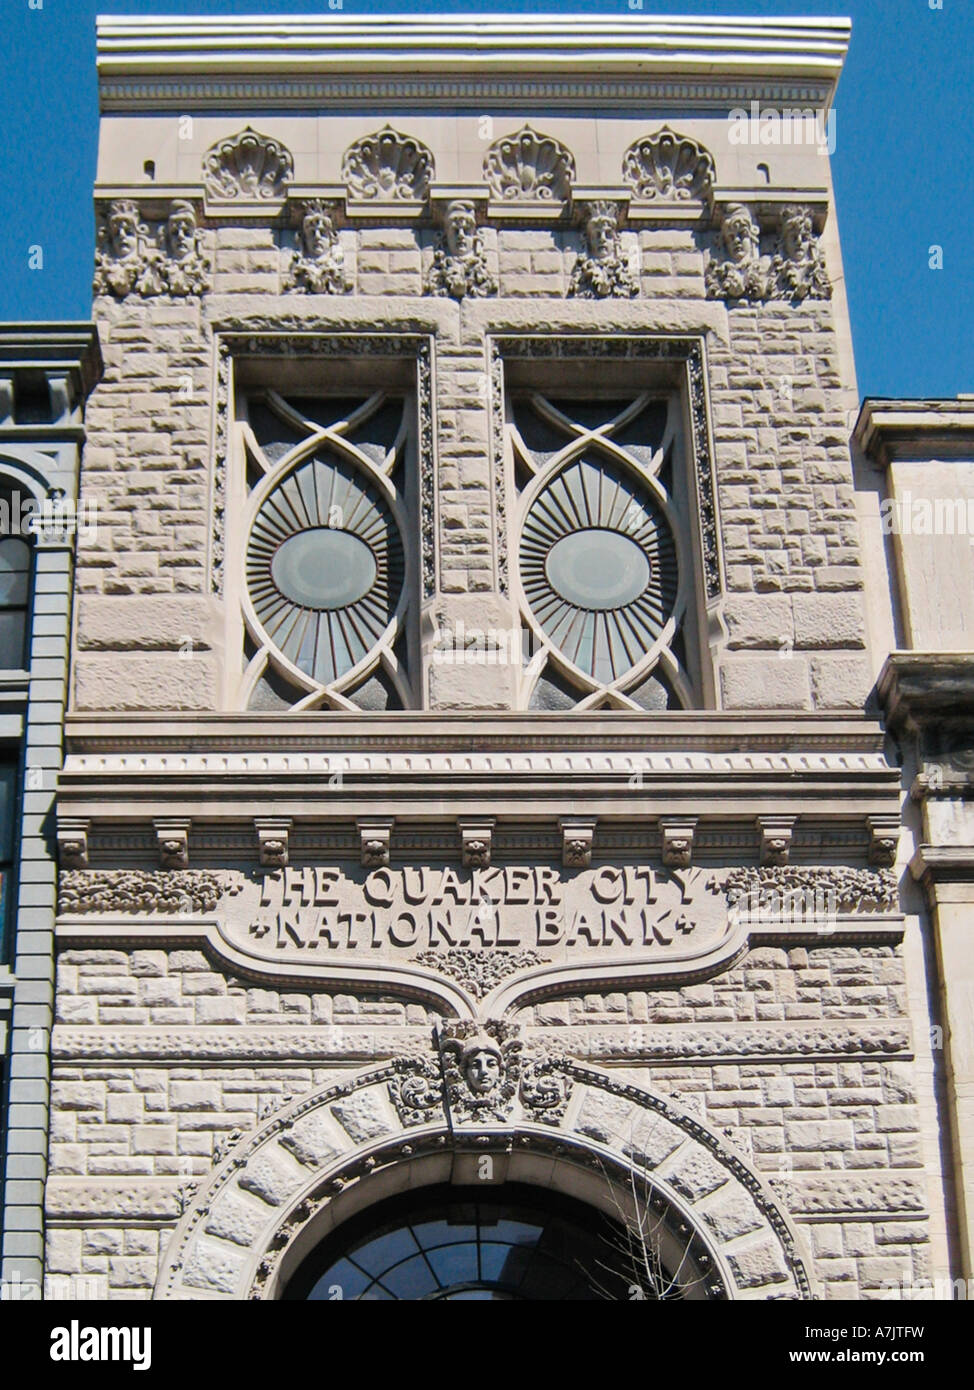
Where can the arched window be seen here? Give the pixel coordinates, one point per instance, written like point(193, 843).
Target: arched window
point(456, 1244)
point(15, 571)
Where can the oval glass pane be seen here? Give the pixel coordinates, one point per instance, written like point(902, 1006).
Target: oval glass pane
point(324, 568)
point(597, 569)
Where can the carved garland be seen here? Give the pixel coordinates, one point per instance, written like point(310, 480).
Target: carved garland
point(852, 890)
point(296, 341)
point(138, 890)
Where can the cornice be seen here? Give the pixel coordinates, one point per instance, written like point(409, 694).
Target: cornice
point(310, 60)
point(160, 91)
point(626, 767)
point(67, 348)
point(887, 430)
point(108, 733)
point(920, 690)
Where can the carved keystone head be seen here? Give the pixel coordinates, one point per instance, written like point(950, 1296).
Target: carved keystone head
point(601, 226)
point(460, 228)
point(482, 1065)
point(318, 235)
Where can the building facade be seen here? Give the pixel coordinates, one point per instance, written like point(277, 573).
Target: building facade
point(479, 834)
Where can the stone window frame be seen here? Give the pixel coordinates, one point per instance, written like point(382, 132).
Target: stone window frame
point(682, 371)
point(357, 357)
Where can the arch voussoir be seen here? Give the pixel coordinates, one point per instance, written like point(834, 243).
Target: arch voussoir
point(276, 1190)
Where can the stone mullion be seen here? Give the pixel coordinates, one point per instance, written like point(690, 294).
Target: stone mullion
point(29, 1064)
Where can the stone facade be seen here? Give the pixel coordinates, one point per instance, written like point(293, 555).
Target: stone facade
point(650, 880)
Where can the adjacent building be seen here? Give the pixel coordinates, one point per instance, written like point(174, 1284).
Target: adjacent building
point(46, 372)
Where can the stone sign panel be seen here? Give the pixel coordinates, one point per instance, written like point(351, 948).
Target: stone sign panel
point(477, 939)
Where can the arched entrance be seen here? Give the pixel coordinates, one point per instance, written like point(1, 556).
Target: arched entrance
point(565, 1132)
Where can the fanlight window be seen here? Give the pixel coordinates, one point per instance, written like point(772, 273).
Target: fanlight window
point(599, 552)
point(325, 564)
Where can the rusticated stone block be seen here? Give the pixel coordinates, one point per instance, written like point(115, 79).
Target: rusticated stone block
point(731, 1215)
point(361, 1117)
point(696, 1175)
point(758, 1265)
point(272, 1177)
point(311, 1140)
point(214, 1267)
point(236, 1218)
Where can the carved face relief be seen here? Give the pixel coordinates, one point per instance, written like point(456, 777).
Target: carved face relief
point(603, 238)
point(318, 234)
point(123, 232)
point(796, 235)
point(460, 226)
point(482, 1070)
point(181, 233)
point(740, 237)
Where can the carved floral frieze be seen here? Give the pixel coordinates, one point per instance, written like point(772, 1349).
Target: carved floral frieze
point(846, 889)
point(529, 167)
point(478, 971)
point(136, 890)
point(388, 166)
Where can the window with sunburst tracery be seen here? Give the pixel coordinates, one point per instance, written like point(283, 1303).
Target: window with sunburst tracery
point(326, 570)
point(603, 582)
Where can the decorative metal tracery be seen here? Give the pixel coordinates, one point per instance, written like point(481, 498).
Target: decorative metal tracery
point(598, 552)
point(325, 564)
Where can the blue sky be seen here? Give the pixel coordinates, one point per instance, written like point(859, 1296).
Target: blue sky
point(902, 166)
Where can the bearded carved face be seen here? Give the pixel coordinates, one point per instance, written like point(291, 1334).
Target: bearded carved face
point(181, 234)
point(740, 237)
point(482, 1070)
point(317, 231)
point(460, 225)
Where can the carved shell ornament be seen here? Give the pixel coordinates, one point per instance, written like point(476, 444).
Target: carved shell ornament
point(247, 166)
point(669, 168)
point(388, 166)
point(528, 167)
